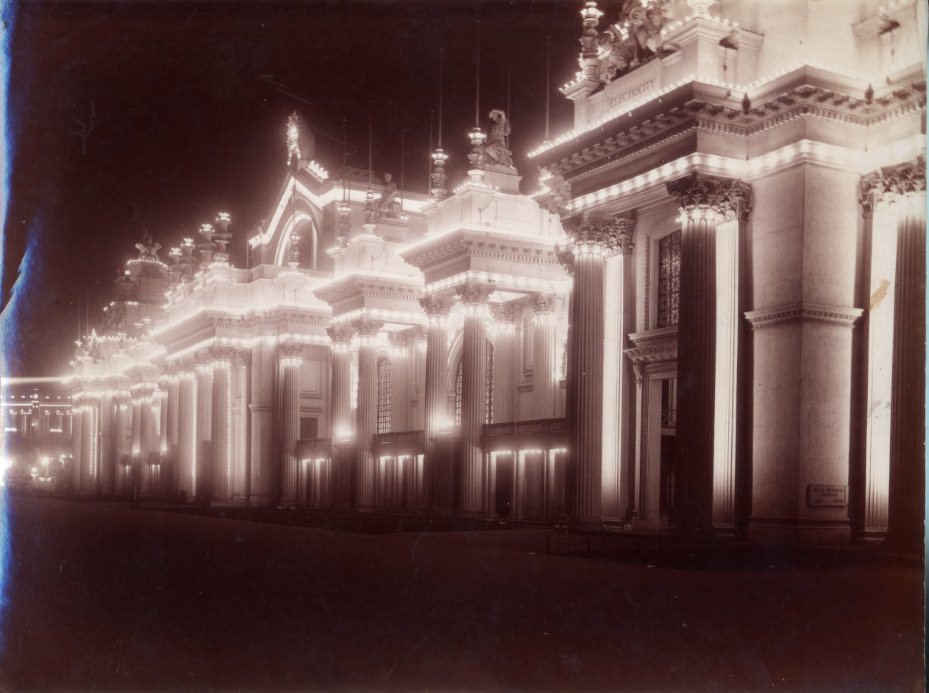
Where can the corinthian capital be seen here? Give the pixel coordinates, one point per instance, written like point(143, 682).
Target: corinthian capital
point(893, 182)
point(340, 334)
point(700, 196)
point(542, 303)
point(607, 236)
point(437, 305)
point(474, 293)
point(367, 328)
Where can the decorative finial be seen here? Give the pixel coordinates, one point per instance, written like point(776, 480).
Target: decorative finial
point(222, 237)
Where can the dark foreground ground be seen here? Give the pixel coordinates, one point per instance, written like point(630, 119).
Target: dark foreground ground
point(103, 596)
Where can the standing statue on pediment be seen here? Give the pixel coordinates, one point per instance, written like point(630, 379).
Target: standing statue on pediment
point(496, 151)
point(148, 248)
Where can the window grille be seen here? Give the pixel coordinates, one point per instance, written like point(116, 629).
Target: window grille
point(383, 395)
point(669, 279)
point(459, 386)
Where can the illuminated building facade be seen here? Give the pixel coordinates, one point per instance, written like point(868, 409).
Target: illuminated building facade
point(701, 321)
point(36, 417)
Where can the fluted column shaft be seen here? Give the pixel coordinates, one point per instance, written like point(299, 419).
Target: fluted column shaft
point(366, 415)
point(77, 446)
point(436, 472)
point(544, 378)
point(187, 434)
point(107, 472)
point(148, 441)
point(504, 363)
point(204, 431)
point(704, 486)
point(221, 433)
point(908, 406)
point(341, 383)
point(473, 399)
point(289, 369)
point(585, 396)
point(89, 441)
point(696, 368)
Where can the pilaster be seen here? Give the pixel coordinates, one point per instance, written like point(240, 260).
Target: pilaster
point(437, 480)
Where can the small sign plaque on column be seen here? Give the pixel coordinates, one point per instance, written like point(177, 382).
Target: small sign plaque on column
point(823, 495)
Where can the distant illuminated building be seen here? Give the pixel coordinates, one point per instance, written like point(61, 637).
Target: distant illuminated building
point(703, 321)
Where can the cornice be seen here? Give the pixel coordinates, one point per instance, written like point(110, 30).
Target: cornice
point(707, 108)
point(837, 315)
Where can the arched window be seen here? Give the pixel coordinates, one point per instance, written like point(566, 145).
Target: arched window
point(383, 395)
point(669, 279)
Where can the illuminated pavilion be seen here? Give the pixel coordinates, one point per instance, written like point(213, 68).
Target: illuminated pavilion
point(709, 319)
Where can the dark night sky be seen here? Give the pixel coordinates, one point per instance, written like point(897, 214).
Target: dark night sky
point(188, 123)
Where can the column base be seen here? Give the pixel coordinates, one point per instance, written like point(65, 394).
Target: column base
point(797, 532)
point(260, 500)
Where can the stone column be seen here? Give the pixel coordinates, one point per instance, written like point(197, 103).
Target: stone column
point(106, 483)
point(89, 446)
point(618, 321)
point(187, 434)
point(123, 444)
point(289, 369)
point(264, 480)
point(473, 397)
point(204, 458)
point(148, 439)
point(169, 432)
point(221, 433)
point(341, 336)
point(592, 242)
point(504, 362)
point(704, 494)
point(545, 378)
point(908, 405)
point(366, 414)
point(436, 472)
point(894, 199)
point(77, 445)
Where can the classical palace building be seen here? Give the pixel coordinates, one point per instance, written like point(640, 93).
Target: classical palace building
point(709, 319)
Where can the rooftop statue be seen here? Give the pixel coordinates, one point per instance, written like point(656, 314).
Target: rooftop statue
point(496, 151)
point(634, 39)
point(387, 204)
point(148, 248)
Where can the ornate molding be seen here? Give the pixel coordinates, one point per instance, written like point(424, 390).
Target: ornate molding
point(611, 235)
point(340, 334)
point(699, 195)
point(892, 182)
point(542, 303)
point(837, 315)
point(474, 293)
point(367, 328)
point(437, 306)
point(503, 313)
